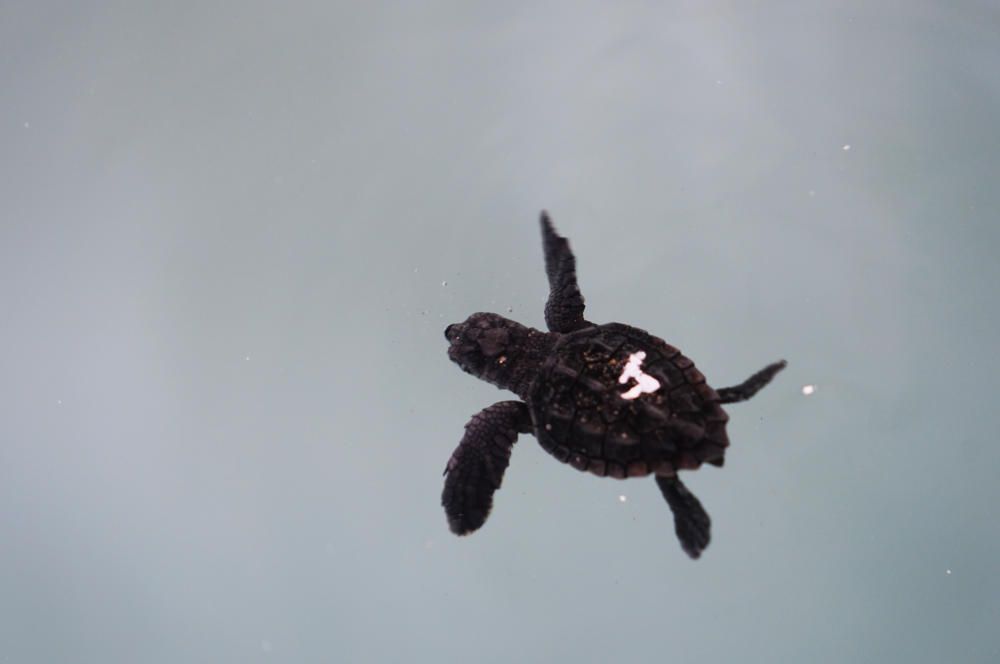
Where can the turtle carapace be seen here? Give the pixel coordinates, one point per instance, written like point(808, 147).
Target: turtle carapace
point(612, 400)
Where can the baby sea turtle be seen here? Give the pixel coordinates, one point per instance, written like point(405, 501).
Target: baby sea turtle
point(609, 399)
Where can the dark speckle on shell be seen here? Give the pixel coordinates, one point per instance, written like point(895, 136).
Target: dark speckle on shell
point(582, 418)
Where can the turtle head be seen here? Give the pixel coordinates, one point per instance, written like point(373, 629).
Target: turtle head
point(496, 349)
point(481, 345)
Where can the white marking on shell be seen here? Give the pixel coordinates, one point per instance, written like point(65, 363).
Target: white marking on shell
point(645, 382)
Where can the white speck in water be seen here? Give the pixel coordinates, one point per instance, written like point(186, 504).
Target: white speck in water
point(27, 125)
point(948, 572)
point(718, 82)
point(622, 498)
point(808, 389)
point(265, 645)
point(812, 192)
point(847, 147)
point(644, 382)
point(510, 310)
point(59, 401)
point(444, 283)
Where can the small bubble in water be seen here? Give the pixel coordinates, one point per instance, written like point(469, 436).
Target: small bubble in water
point(808, 389)
point(948, 572)
point(444, 283)
point(622, 498)
point(510, 310)
point(847, 147)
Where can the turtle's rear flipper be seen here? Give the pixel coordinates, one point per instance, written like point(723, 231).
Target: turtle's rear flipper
point(476, 467)
point(691, 521)
point(751, 385)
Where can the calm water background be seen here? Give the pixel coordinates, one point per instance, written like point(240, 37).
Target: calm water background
point(226, 405)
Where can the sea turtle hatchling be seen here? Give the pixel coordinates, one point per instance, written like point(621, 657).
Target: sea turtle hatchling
point(609, 399)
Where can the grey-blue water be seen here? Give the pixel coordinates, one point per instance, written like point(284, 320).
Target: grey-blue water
point(225, 403)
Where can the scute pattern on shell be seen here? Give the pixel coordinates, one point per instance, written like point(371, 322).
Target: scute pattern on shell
point(581, 418)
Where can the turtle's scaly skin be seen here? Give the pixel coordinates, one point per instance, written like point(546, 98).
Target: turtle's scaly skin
point(581, 417)
point(610, 399)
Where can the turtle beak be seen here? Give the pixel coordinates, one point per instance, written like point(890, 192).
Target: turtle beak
point(450, 331)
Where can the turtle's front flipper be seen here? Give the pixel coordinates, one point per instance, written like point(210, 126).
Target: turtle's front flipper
point(564, 308)
point(751, 385)
point(476, 468)
point(691, 521)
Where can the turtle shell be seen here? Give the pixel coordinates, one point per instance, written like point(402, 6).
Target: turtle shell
point(615, 400)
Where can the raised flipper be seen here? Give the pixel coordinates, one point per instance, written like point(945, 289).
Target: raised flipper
point(564, 308)
point(476, 467)
point(751, 385)
point(691, 521)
